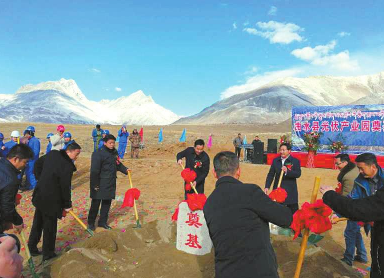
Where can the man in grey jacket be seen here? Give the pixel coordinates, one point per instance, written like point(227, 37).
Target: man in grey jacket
point(353, 239)
point(238, 142)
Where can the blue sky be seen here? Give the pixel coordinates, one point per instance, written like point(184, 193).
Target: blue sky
point(185, 54)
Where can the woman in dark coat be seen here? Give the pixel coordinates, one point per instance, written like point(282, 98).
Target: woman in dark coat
point(104, 166)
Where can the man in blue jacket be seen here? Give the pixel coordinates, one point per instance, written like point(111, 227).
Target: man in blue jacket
point(2, 147)
point(123, 139)
point(105, 133)
point(366, 205)
point(292, 171)
point(49, 146)
point(96, 135)
point(34, 144)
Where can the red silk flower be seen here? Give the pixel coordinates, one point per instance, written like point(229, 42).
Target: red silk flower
point(314, 217)
point(339, 188)
point(188, 175)
point(18, 199)
point(289, 167)
point(279, 195)
point(130, 195)
point(188, 187)
point(196, 201)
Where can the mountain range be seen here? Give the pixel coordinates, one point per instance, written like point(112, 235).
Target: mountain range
point(272, 103)
point(63, 102)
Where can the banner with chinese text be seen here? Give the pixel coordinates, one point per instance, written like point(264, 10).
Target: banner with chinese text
point(360, 127)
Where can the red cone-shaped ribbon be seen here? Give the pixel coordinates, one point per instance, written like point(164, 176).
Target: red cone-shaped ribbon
point(279, 195)
point(188, 187)
point(188, 175)
point(18, 199)
point(130, 195)
point(314, 217)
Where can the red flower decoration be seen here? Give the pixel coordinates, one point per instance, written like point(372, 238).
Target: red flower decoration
point(314, 217)
point(18, 199)
point(339, 188)
point(279, 195)
point(196, 201)
point(198, 164)
point(188, 187)
point(130, 195)
point(188, 175)
point(289, 167)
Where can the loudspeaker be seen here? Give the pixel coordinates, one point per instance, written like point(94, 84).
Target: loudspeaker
point(258, 151)
point(272, 146)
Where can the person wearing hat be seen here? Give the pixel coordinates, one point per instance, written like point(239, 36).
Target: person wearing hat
point(2, 147)
point(34, 144)
point(123, 139)
point(15, 137)
point(67, 139)
point(97, 136)
point(57, 140)
point(49, 146)
point(105, 133)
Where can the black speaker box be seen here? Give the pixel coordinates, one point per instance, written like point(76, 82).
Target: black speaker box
point(272, 146)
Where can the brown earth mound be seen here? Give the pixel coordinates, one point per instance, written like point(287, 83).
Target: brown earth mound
point(151, 252)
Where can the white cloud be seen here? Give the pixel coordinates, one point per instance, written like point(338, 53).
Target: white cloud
point(234, 25)
point(343, 34)
point(272, 10)
point(117, 89)
point(259, 80)
point(321, 55)
point(95, 70)
point(277, 32)
point(246, 23)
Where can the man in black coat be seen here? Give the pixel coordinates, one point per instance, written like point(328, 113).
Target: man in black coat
point(292, 171)
point(238, 217)
point(197, 160)
point(51, 196)
point(104, 165)
point(10, 167)
point(368, 209)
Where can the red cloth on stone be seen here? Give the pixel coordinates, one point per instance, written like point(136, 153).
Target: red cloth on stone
point(130, 195)
point(194, 201)
point(279, 195)
point(188, 175)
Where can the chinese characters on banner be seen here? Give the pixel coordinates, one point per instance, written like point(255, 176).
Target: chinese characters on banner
point(358, 125)
point(192, 231)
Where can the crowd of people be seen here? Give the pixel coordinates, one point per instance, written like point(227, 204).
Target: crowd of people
point(237, 214)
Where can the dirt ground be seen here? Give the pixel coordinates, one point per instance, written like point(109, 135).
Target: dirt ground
point(157, 176)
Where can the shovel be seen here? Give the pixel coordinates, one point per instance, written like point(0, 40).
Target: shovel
point(31, 265)
point(81, 223)
point(134, 203)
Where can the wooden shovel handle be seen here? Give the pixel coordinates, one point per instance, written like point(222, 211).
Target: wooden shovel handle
point(134, 201)
point(78, 219)
point(337, 220)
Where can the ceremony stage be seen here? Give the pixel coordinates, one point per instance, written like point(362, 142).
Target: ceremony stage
point(322, 160)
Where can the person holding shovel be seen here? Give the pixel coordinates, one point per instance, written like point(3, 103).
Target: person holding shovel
point(104, 165)
point(10, 167)
point(238, 216)
point(291, 171)
point(51, 197)
point(197, 160)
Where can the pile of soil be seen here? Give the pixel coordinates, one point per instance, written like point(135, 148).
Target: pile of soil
point(151, 252)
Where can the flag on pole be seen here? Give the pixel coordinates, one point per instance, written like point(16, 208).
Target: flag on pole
point(245, 140)
point(141, 133)
point(161, 136)
point(183, 137)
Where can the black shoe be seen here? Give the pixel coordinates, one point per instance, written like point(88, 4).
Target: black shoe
point(51, 256)
point(344, 260)
point(105, 226)
point(360, 260)
point(91, 227)
point(35, 252)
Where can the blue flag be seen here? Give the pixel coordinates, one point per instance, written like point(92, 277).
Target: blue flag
point(161, 135)
point(183, 137)
point(245, 140)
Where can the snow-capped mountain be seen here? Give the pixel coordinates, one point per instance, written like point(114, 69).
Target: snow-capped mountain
point(272, 102)
point(63, 102)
